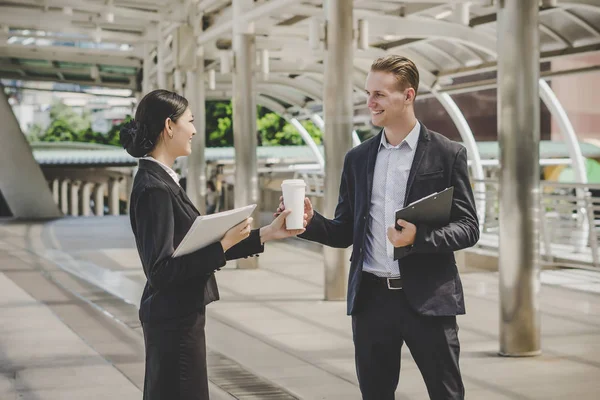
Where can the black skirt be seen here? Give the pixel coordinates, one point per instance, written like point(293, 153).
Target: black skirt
point(176, 359)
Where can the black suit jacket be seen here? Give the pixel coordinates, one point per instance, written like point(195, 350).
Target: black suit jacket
point(161, 214)
point(429, 275)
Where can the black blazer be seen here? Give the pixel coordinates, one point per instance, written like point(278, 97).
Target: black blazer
point(161, 214)
point(429, 275)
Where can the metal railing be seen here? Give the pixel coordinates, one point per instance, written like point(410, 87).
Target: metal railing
point(569, 219)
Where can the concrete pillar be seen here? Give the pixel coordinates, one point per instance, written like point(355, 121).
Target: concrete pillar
point(177, 81)
point(56, 191)
point(64, 196)
point(86, 194)
point(244, 116)
point(196, 172)
point(99, 199)
point(461, 14)
point(75, 186)
point(26, 193)
point(161, 53)
point(147, 62)
point(519, 136)
point(338, 115)
point(113, 196)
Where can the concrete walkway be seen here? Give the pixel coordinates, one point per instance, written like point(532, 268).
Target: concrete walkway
point(272, 322)
point(41, 358)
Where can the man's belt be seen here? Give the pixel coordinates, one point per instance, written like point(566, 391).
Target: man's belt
point(389, 283)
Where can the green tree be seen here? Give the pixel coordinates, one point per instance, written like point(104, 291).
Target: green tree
point(65, 126)
point(272, 130)
point(275, 131)
point(68, 126)
point(59, 130)
point(219, 124)
point(77, 122)
point(269, 126)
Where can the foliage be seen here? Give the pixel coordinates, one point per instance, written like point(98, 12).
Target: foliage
point(219, 124)
point(271, 129)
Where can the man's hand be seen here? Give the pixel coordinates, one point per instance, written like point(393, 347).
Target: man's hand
point(404, 237)
point(309, 212)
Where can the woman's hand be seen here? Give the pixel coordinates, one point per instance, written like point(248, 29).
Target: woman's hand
point(277, 230)
point(236, 234)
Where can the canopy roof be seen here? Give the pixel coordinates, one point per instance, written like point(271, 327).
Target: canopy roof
point(103, 42)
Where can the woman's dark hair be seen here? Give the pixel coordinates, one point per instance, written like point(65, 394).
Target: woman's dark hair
point(140, 135)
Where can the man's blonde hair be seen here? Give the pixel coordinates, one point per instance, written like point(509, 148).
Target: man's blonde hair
point(404, 70)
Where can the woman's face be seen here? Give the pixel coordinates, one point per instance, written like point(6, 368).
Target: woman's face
point(182, 131)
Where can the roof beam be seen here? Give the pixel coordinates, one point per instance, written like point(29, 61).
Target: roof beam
point(582, 23)
point(415, 26)
point(131, 85)
point(57, 22)
point(554, 35)
point(585, 4)
point(545, 56)
point(56, 70)
point(225, 25)
point(72, 54)
point(119, 12)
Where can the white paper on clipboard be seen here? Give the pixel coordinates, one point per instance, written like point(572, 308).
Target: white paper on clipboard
point(208, 229)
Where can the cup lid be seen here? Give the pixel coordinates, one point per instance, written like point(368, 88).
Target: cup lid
point(294, 182)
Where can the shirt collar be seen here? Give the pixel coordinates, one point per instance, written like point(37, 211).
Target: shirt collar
point(411, 139)
point(169, 170)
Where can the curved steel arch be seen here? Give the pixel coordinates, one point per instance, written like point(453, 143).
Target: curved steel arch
point(585, 4)
point(433, 28)
point(428, 28)
point(282, 111)
point(472, 150)
point(278, 92)
point(449, 105)
point(281, 81)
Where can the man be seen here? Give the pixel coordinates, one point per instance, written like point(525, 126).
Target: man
point(416, 298)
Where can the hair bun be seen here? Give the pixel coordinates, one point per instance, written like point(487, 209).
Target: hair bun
point(134, 139)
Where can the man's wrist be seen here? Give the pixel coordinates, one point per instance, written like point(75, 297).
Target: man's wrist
point(310, 220)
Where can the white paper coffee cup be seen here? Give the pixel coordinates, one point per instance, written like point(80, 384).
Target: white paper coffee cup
point(293, 198)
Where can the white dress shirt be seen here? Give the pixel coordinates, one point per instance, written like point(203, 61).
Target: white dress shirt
point(390, 178)
point(165, 167)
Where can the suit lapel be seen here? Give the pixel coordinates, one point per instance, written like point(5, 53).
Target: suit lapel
point(160, 173)
point(166, 178)
point(422, 145)
point(371, 158)
point(187, 200)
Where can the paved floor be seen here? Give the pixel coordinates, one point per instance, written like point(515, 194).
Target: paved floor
point(271, 323)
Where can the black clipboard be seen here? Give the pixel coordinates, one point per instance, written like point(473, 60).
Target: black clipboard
point(432, 210)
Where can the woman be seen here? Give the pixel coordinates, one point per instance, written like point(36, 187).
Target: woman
point(172, 309)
